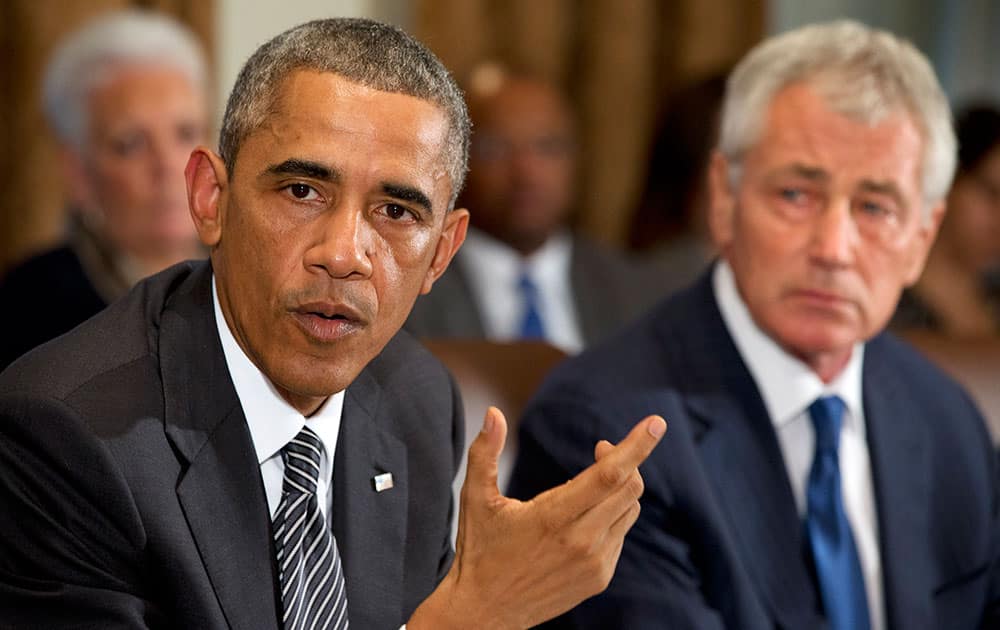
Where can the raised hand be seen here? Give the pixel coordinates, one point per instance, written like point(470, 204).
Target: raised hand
point(519, 563)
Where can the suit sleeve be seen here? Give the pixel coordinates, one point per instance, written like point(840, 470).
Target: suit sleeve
point(70, 553)
point(657, 583)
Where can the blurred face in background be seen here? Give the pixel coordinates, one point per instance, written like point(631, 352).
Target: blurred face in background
point(521, 169)
point(970, 232)
point(128, 179)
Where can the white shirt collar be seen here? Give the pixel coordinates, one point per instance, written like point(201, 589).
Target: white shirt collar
point(503, 263)
point(787, 385)
point(272, 421)
point(493, 269)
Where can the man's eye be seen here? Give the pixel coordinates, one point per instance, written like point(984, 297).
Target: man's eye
point(301, 191)
point(396, 212)
point(792, 194)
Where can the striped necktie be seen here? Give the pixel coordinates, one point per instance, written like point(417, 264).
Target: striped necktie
point(829, 532)
point(313, 594)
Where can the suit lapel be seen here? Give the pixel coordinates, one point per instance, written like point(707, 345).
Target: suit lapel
point(587, 296)
point(221, 492)
point(740, 455)
point(899, 451)
point(453, 307)
point(370, 526)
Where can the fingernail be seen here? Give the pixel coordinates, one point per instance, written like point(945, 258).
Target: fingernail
point(656, 427)
point(489, 421)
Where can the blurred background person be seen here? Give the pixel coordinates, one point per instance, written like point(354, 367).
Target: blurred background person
point(125, 98)
point(958, 294)
point(669, 229)
point(523, 273)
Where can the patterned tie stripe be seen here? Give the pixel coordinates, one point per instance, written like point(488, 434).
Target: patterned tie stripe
point(313, 592)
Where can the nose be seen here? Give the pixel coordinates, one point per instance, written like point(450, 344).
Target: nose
point(834, 235)
point(344, 248)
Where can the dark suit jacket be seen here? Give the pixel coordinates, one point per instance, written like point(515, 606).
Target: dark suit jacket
point(131, 491)
point(42, 298)
point(608, 292)
point(719, 543)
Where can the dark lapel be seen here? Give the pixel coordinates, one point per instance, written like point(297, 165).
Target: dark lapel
point(741, 456)
point(450, 309)
point(370, 526)
point(221, 492)
point(591, 294)
point(897, 441)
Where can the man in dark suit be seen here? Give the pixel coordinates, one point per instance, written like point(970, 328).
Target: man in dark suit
point(250, 442)
point(523, 273)
point(821, 474)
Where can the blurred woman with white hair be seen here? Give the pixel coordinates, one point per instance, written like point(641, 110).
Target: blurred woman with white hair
point(125, 97)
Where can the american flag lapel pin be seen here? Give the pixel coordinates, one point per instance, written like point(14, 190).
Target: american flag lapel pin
point(382, 482)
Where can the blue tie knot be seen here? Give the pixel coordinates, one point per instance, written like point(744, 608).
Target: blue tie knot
point(827, 414)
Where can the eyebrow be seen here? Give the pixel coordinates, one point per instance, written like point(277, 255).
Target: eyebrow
point(811, 173)
point(303, 168)
point(407, 193)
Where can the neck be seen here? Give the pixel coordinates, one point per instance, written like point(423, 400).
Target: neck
point(829, 365)
point(306, 405)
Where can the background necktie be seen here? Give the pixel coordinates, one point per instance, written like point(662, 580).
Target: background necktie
point(313, 593)
point(837, 567)
point(531, 321)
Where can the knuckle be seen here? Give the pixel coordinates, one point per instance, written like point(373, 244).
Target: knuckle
point(611, 476)
point(636, 486)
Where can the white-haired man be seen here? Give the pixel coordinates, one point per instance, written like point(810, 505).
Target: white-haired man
point(125, 98)
point(821, 474)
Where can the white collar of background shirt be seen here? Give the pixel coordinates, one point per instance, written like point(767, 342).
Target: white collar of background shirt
point(273, 422)
point(493, 269)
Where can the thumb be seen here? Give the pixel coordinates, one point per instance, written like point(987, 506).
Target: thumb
point(481, 473)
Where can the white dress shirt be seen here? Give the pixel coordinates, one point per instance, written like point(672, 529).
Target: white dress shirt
point(493, 269)
point(788, 386)
point(273, 422)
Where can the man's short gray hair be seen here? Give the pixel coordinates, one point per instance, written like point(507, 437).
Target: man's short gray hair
point(862, 72)
point(93, 55)
point(372, 54)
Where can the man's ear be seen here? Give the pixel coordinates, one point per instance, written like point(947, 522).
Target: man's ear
point(923, 240)
point(721, 201)
point(206, 179)
point(456, 224)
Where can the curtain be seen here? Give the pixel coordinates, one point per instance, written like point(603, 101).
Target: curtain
point(616, 59)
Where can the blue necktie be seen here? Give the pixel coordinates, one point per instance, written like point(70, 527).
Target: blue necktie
point(837, 567)
point(531, 321)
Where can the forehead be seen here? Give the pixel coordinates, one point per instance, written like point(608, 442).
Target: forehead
point(521, 104)
point(360, 132)
point(143, 87)
point(802, 130)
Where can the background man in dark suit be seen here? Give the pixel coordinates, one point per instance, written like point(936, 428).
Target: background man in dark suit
point(176, 461)
point(523, 272)
point(820, 472)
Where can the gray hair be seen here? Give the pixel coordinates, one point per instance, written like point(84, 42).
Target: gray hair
point(97, 51)
point(861, 72)
point(375, 55)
